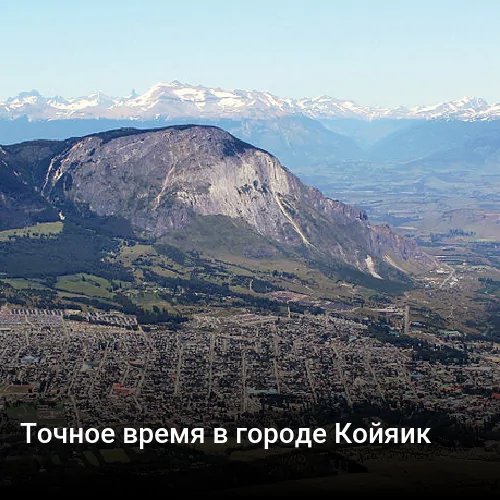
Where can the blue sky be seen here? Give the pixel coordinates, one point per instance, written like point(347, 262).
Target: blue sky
point(385, 53)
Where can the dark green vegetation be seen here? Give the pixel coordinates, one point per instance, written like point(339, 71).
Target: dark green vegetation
point(426, 351)
point(93, 246)
point(222, 235)
point(19, 205)
point(77, 249)
point(96, 263)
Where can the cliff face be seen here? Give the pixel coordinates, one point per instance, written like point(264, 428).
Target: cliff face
point(160, 179)
point(20, 204)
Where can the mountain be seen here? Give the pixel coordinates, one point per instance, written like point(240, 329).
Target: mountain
point(174, 100)
point(20, 205)
point(425, 138)
point(167, 181)
point(476, 150)
point(303, 133)
point(295, 139)
point(364, 133)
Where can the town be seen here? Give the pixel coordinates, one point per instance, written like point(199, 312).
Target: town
point(215, 370)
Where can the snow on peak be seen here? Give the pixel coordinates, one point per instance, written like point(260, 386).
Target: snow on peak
point(175, 99)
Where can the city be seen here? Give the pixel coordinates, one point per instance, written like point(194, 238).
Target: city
point(218, 370)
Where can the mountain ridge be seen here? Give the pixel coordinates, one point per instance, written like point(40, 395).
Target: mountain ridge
point(173, 100)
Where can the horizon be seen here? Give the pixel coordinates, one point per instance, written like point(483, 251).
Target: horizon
point(35, 91)
point(384, 55)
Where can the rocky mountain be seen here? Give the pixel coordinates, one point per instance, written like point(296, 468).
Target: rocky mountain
point(174, 100)
point(19, 204)
point(163, 180)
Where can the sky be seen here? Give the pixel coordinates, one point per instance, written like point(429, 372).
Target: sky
point(379, 53)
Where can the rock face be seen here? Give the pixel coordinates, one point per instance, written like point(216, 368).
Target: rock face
point(160, 179)
point(20, 205)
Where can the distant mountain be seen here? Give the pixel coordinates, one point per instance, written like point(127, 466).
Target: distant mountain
point(295, 139)
point(425, 138)
point(481, 150)
point(164, 182)
point(302, 133)
point(175, 100)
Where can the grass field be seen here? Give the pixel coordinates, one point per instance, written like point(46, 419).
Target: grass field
point(28, 413)
point(115, 455)
point(230, 263)
point(147, 300)
point(85, 284)
point(44, 228)
point(91, 458)
point(24, 284)
point(24, 413)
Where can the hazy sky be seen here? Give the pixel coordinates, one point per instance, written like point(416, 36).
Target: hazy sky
point(374, 52)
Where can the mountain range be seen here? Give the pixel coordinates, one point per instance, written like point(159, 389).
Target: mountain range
point(178, 100)
point(302, 133)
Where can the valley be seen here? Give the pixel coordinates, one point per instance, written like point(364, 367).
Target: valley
point(250, 250)
point(152, 284)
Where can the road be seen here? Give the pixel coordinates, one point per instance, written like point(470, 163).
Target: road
point(374, 375)
point(75, 409)
point(275, 341)
point(244, 395)
point(310, 379)
point(448, 278)
point(211, 357)
point(276, 374)
point(342, 377)
point(177, 380)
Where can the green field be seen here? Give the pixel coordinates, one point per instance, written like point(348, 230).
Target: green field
point(91, 458)
point(24, 413)
point(115, 455)
point(44, 228)
point(85, 284)
point(147, 300)
point(28, 413)
point(23, 284)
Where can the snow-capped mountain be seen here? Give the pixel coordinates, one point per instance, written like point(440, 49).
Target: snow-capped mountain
point(327, 107)
point(177, 100)
point(37, 107)
point(466, 109)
